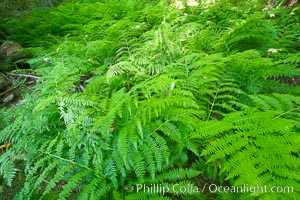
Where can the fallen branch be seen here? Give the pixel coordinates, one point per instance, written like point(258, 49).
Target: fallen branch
point(10, 89)
point(26, 75)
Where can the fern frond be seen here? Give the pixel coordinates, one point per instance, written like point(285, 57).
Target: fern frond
point(253, 33)
point(122, 67)
point(72, 184)
point(56, 178)
point(286, 103)
point(177, 174)
point(246, 143)
point(7, 168)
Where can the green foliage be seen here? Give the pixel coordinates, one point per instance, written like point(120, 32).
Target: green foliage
point(139, 92)
point(243, 140)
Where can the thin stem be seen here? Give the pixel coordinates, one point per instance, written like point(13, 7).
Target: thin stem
point(213, 103)
point(70, 161)
point(284, 113)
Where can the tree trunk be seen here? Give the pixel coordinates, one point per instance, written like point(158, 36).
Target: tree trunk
point(290, 3)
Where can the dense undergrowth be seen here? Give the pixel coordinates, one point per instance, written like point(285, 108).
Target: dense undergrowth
point(141, 92)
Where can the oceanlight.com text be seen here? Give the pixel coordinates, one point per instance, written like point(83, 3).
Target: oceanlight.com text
point(207, 188)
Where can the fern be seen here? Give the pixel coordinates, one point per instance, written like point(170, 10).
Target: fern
point(261, 36)
point(246, 143)
point(7, 169)
point(138, 92)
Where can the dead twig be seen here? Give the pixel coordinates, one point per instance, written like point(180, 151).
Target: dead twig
point(10, 89)
point(26, 75)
